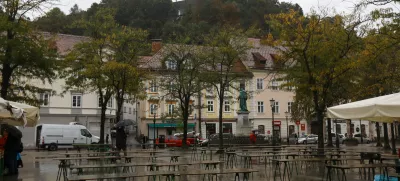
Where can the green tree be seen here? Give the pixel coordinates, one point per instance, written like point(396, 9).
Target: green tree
point(223, 59)
point(53, 21)
point(378, 73)
point(319, 54)
point(127, 45)
point(87, 65)
point(182, 77)
point(26, 54)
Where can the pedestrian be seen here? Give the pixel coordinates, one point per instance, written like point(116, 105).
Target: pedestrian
point(11, 149)
point(121, 139)
point(253, 137)
point(20, 164)
point(107, 137)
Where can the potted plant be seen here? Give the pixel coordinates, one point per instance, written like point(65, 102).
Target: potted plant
point(350, 142)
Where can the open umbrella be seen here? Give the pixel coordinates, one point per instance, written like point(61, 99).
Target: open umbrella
point(18, 114)
point(12, 130)
point(123, 123)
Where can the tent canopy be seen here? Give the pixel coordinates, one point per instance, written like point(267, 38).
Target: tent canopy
point(22, 114)
point(381, 109)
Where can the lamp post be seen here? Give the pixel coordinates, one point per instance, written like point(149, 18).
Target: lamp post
point(287, 126)
point(272, 103)
point(154, 126)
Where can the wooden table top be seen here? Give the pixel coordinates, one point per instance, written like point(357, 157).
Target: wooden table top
point(350, 166)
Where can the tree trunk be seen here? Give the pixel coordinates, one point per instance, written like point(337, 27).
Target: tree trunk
point(102, 122)
point(320, 119)
point(378, 135)
point(329, 133)
point(5, 80)
point(185, 122)
point(120, 102)
point(221, 138)
point(386, 145)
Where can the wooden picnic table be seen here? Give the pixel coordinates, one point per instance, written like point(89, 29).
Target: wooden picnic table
point(170, 175)
point(153, 166)
point(63, 165)
point(152, 152)
point(341, 169)
point(105, 147)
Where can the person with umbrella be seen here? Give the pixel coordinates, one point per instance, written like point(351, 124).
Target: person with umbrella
point(121, 135)
point(11, 148)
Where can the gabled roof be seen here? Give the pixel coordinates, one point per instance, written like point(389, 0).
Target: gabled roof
point(259, 52)
point(64, 42)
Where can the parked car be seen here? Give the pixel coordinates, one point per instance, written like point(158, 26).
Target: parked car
point(340, 136)
point(307, 139)
point(293, 139)
point(174, 141)
point(365, 138)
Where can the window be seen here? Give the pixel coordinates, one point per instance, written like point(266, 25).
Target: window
point(261, 129)
point(260, 106)
point(276, 107)
point(86, 133)
point(76, 100)
point(44, 99)
point(260, 84)
point(210, 106)
point(124, 109)
point(130, 110)
point(153, 86)
point(171, 64)
point(289, 86)
point(289, 107)
point(153, 109)
point(171, 87)
point(227, 127)
point(171, 108)
point(226, 91)
point(227, 106)
point(274, 85)
point(110, 103)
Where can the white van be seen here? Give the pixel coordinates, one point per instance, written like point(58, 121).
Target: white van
point(54, 135)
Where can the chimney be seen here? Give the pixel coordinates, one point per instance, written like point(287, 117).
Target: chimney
point(155, 45)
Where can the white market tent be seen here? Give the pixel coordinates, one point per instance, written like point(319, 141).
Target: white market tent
point(18, 114)
point(380, 109)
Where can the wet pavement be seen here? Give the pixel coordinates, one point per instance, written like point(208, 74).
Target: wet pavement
point(40, 166)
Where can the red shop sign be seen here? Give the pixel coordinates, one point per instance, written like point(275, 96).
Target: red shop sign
point(278, 123)
point(303, 127)
point(297, 122)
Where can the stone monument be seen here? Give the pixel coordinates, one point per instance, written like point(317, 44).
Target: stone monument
point(243, 126)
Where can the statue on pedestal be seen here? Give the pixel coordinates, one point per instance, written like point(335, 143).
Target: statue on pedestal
point(243, 100)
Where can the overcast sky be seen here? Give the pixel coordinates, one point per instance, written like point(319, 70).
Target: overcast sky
point(339, 5)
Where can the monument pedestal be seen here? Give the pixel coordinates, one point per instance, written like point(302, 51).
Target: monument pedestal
point(243, 126)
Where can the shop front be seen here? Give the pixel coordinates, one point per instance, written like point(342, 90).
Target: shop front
point(167, 129)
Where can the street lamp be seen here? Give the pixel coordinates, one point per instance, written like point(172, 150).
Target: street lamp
point(272, 103)
point(154, 126)
point(287, 114)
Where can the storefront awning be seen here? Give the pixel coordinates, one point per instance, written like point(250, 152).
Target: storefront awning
point(169, 125)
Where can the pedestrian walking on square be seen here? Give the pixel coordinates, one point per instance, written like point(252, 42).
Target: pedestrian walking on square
point(253, 138)
point(121, 139)
point(107, 137)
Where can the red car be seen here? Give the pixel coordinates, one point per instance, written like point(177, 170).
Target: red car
point(174, 141)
